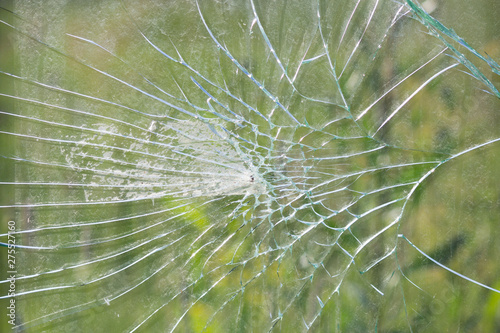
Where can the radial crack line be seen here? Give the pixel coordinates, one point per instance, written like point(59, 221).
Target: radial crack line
point(412, 95)
point(447, 268)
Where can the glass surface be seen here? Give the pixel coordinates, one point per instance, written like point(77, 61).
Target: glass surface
point(250, 166)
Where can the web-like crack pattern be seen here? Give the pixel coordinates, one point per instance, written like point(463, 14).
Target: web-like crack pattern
point(222, 166)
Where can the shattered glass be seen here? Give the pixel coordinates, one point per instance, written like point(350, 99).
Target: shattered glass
point(251, 166)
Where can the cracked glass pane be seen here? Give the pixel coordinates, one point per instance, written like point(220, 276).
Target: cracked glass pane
point(250, 166)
